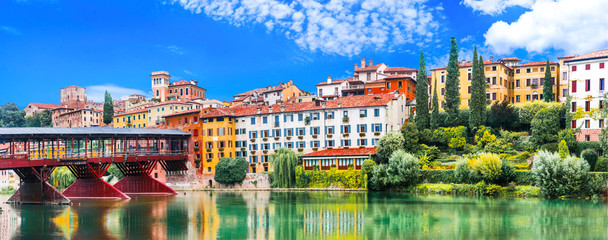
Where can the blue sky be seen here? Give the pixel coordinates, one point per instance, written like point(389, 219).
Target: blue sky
point(234, 46)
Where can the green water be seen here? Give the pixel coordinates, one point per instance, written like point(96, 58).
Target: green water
point(307, 215)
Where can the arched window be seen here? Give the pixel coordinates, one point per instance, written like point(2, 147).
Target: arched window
point(157, 93)
point(186, 91)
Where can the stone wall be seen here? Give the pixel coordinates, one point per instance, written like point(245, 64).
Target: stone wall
point(192, 181)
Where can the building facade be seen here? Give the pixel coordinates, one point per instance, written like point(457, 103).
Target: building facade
point(587, 75)
point(158, 111)
point(529, 79)
point(79, 118)
point(32, 108)
point(133, 119)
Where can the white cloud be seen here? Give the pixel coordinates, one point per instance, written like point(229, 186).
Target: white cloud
point(495, 7)
point(172, 49)
point(9, 30)
point(97, 92)
point(343, 27)
point(190, 73)
point(573, 26)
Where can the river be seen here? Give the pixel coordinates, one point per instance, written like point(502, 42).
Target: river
point(307, 215)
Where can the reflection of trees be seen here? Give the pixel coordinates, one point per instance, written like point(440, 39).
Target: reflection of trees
point(36, 221)
point(231, 209)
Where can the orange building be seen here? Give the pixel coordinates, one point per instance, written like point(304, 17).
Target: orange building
point(189, 121)
point(400, 83)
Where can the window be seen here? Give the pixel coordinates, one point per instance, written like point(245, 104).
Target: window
point(587, 138)
point(400, 84)
point(565, 76)
point(601, 123)
point(388, 85)
point(361, 128)
point(587, 106)
point(300, 117)
point(345, 113)
point(528, 70)
point(517, 83)
point(469, 89)
point(587, 85)
point(314, 130)
point(377, 112)
point(493, 96)
point(587, 123)
point(377, 127)
point(329, 130)
point(264, 120)
point(552, 69)
point(601, 84)
point(329, 143)
point(574, 68)
point(289, 132)
point(345, 129)
point(601, 65)
point(493, 80)
point(587, 66)
point(542, 69)
point(573, 109)
point(363, 113)
point(493, 68)
point(574, 86)
point(329, 115)
point(362, 142)
point(528, 97)
point(314, 144)
point(345, 142)
point(265, 133)
point(517, 98)
point(564, 92)
point(469, 76)
point(517, 71)
point(442, 78)
point(442, 91)
point(266, 146)
point(300, 131)
point(573, 125)
point(252, 121)
point(253, 134)
point(210, 132)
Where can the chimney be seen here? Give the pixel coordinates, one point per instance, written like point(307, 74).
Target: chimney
point(371, 63)
point(491, 57)
point(356, 65)
point(462, 62)
point(259, 110)
point(329, 79)
point(339, 104)
point(282, 108)
point(396, 94)
point(362, 62)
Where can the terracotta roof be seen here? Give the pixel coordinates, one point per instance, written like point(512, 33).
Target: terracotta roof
point(218, 112)
point(368, 68)
point(273, 89)
point(345, 102)
point(176, 101)
point(569, 56)
point(181, 82)
point(399, 69)
point(509, 59)
point(249, 93)
point(342, 152)
point(333, 82)
point(376, 81)
point(46, 105)
point(398, 76)
point(131, 112)
point(541, 63)
point(596, 54)
point(182, 113)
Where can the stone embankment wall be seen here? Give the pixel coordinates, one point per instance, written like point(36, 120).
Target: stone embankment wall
point(190, 182)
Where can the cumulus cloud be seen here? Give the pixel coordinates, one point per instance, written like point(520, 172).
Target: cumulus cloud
point(97, 92)
point(573, 26)
point(495, 7)
point(343, 27)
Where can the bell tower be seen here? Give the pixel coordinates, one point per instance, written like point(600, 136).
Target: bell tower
point(160, 85)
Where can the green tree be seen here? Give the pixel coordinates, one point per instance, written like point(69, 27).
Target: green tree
point(422, 96)
point(435, 118)
point(11, 116)
point(502, 115)
point(391, 142)
point(62, 178)
point(284, 162)
point(545, 126)
point(567, 135)
point(452, 85)
point(108, 109)
point(479, 100)
point(603, 138)
point(403, 169)
point(548, 85)
point(590, 155)
point(410, 137)
point(563, 149)
point(46, 118)
point(231, 170)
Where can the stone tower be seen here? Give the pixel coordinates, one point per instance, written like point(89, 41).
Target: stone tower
point(160, 85)
point(73, 97)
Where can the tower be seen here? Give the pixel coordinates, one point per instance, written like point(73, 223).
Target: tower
point(160, 84)
point(73, 97)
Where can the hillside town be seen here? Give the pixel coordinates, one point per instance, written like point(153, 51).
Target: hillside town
point(341, 124)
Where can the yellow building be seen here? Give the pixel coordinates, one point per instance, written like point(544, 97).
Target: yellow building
point(158, 111)
point(563, 78)
point(132, 119)
point(528, 81)
point(217, 138)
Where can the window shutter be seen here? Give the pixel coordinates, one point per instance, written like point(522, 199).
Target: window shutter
point(574, 86)
point(358, 127)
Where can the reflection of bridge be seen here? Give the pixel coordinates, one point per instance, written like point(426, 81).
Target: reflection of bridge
point(88, 153)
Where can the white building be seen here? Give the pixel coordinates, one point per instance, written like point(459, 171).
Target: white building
point(331, 89)
point(347, 122)
point(587, 76)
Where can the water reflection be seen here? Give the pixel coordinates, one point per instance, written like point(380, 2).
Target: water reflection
point(306, 215)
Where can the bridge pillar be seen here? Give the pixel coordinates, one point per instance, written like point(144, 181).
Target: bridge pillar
point(89, 184)
point(137, 179)
point(34, 189)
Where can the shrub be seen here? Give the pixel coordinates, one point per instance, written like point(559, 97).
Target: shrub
point(551, 147)
point(582, 146)
point(485, 138)
point(487, 166)
point(403, 169)
point(590, 156)
point(601, 165)
point(379, 180)
point(545, 125)
point(567, 135)
point(523, 155)
point(524, 178)
point(62, 178)
point(507, 174)
point(437, 176)
point(388, 144)
point(367, 168)
point(563, 149)
point(557, 177)
point(230, 170)
point(462, 172)
point(410, 137)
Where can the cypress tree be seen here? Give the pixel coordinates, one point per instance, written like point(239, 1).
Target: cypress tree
point(452, 85)
point(422, 96)
point(108, 109)
point(478, 93)
point(548, 85)
point(435, 105)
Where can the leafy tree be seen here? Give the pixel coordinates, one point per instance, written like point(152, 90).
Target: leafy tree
point(391, 142)
point(435, 118)
point(478, 94)
point(403, 169)
point(487, 166)
point(452, 85)
point(567, 135)
point(284, 162)
point(502, 115)
point(114, 172)
point(108, 109)
point(590, 155)
point(231, 170)
point(10, 116)
point(62, 178)
point(46, 118)
point(603, 138)
point(39, 119)
point(462, 172)
point(366, 169)
point(422, 96)
point(545, 126)
point(380, 179)
point(557, 177)
point(548, 85)
point(563, 150)
point(410, 137)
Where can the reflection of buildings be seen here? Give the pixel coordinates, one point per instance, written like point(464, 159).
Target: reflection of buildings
point(9, 221)
point(258, 217)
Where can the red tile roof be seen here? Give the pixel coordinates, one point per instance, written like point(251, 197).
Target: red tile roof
point(342, 152)
point(333, 82)
point(368, 68)
point(273, 89)
point(218, 112)
point(398, 76)
point(596, 54)
point(376, 81)
point(541, 63)
point(46, 105)
point(183, 113)
point(399, 69)
point(181, 82)
point(345, 102)
point(131, 112)
point(569, 56)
